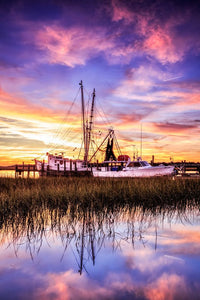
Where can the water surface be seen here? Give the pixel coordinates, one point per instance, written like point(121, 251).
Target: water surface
point(122, 253)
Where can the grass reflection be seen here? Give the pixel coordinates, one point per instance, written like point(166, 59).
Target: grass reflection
point(87, 212)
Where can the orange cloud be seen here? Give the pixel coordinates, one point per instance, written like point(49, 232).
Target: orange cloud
point(12, 105)
point(174, 127)
point(29, 129)
point(182, 239)
point(17, 106)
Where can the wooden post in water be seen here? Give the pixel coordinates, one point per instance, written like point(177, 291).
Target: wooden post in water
point(64, 167)
point(42, 168)
point(28, 170)
point(23, 170)
point(48, 173)
point(58, 169)
point(70, 165)
point(75, 166)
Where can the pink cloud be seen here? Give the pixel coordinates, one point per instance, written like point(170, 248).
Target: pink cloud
point(181, 241)
point(167, 287)
point(7, 99)
point(138, 83)
point(64, 286)
point(68, 285)
point(158, 38)
point(161, 42)
point(179, 98)
point(161, 45)
point(174, 127)
point(73, 46)
point(129, 118)
point(156, 87)
point(120, 12)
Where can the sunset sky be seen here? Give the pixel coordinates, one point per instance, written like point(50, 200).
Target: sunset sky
point(142, 57)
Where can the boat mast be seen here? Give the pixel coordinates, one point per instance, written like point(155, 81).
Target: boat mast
point(89, 129)
point(83, 117)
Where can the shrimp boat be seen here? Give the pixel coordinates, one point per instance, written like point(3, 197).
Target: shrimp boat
point(111, 166)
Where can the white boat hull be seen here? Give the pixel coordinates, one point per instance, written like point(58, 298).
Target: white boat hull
point(137, 172)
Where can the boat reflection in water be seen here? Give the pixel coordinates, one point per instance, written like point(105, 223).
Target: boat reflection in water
point(121, 253)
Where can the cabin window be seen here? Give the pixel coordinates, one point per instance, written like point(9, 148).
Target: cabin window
point(130, 165)
point(144, 163)
point(135, 164)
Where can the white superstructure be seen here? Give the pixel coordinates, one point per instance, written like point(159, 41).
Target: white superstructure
point(139, 168)
point(59, 163)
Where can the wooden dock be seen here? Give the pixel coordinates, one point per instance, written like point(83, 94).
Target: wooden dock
point(28, 169)
point(21, 169)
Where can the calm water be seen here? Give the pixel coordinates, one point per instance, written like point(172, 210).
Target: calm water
point(123, 254)
point(11, 174)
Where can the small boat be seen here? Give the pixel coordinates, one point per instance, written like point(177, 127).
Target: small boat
point(124, 167)
point(138, 168)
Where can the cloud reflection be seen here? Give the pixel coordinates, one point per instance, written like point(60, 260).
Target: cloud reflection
point(124, 254)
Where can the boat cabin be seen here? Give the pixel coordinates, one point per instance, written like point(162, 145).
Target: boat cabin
point(59, 161)
point(54, 160)
point(137, 164)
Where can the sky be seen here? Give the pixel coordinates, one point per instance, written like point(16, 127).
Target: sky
point(142, 58)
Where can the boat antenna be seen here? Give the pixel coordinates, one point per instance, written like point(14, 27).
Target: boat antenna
point(134, 152)
point(117, 144)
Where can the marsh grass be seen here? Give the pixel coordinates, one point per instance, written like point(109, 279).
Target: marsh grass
point(20, 196)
